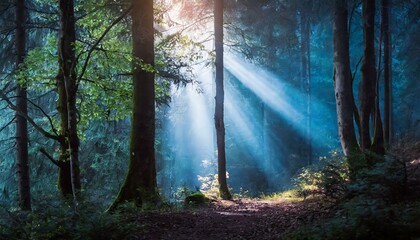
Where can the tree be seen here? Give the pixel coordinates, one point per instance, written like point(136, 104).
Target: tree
point(305, 34)
point(219, 109)
point(69, 174)
point(387, 70)
point(369, 87)
point(368, 73)
point(343, 81)
point(140, 184)
point(22, 157)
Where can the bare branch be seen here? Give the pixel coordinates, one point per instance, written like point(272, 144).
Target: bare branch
point(45, 114)
point(355, 70)
point(55, 162)
point(5, 126)
point(30, 120)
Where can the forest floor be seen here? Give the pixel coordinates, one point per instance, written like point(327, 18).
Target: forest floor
point(237, 219)
point(256, 218)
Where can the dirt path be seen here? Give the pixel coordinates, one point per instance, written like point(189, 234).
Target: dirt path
point(240, 219)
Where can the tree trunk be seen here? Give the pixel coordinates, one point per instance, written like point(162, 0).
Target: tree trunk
point(368, 74)
point(378, 137)
point(64, 174)
point(343, 82)
point(22, 157)
point(306, 73)
point(387, 71)
point(67, 89)
point(140, 183)
point(219, 109)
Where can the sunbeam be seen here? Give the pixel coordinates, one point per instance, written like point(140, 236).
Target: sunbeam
point(265, 86)
point(264, 121)
point(282, 98)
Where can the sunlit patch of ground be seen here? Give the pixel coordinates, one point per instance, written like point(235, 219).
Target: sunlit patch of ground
point(291, 195)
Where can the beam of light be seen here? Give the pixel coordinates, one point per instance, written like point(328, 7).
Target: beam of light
point(280, 96)
point(263, 85)
point(190, 130)
point(244, 128)
point(191, 125)
point(243, 120)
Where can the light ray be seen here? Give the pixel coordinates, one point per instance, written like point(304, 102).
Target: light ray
point(280, 96)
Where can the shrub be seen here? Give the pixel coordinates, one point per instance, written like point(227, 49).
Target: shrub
point(196, 199)
point(51, 220)
point(371, 209)
point(329, 178)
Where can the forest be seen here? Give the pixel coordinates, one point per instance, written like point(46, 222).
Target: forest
point(209, 119)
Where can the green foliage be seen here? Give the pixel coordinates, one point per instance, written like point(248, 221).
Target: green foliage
point(291, 195)
point(181, 193)
point(366, 220)
point(52, 220)
point(243, 193)
point(385, 180)
point(329, 177)
point(210, 184)
point(371, 210)
point(196, 199)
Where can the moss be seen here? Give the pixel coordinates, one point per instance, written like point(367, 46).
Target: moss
point(196, 199)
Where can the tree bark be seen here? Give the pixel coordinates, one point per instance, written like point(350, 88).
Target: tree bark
point(368, 74)
point(343, 82)
point(140, 184)
point(22, 157)
point(67, 89)
point(387, 71)
point(219, 108)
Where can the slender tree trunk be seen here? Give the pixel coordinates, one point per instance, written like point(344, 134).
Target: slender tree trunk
point(64, 173)
point(22, 157)
point(306, 73)
point(268, 117)
point(368, 74)
point(67, 89)
point(378, 139)
point(219, 110)
point(387, 71)
point(140, 183)
point(343, 83)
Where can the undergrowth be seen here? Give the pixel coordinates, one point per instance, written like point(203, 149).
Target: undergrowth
point(373, 206)
point(291, 195)
point(55, 220)
point(328, 178)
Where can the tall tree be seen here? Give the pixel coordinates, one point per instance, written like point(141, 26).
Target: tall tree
point(140, 184)
point(368, 73)
point(343, 81)
point(305, 35)
point(22, 157)
point(369, 89)
point(219, 108)
point(387, 70)
point(69, 174)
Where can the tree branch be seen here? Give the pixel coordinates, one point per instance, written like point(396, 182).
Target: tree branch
point(55, 162)
point(30, 120)
point(45, 114)
point(99, 40)
point(5, 126)
point(355, 70)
